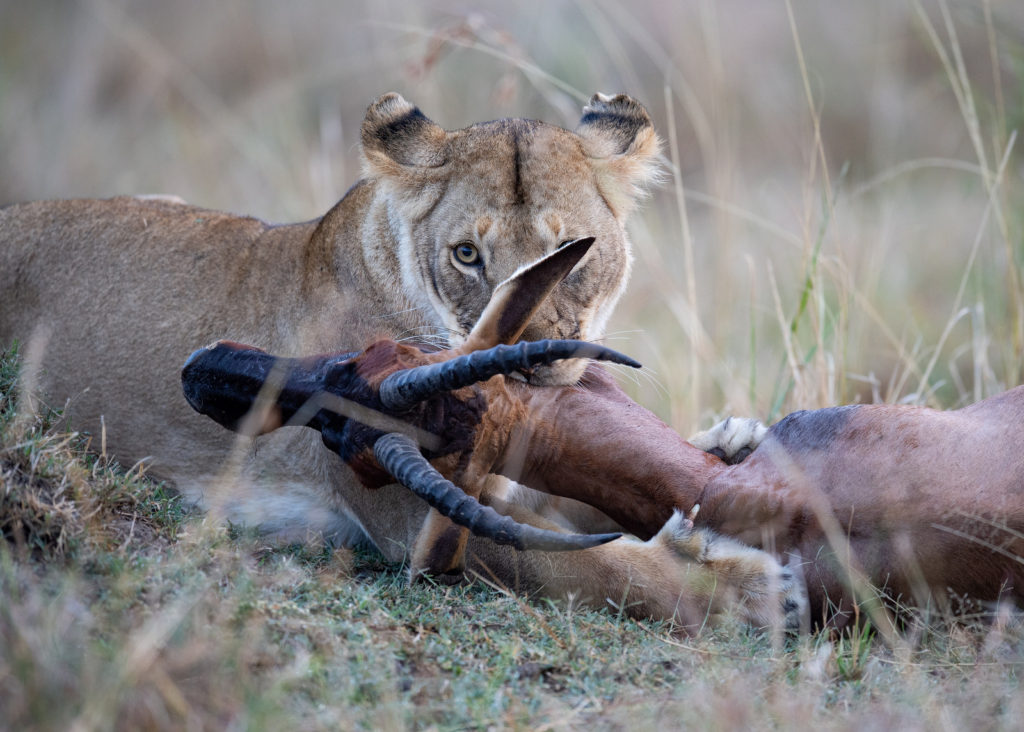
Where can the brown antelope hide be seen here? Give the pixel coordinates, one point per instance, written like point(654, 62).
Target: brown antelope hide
point(433, 420)
point(926, 506)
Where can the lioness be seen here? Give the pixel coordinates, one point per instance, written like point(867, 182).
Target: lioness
point(381, 409)
point(414, 250)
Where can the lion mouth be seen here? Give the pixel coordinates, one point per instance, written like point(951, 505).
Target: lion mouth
point(563, 373)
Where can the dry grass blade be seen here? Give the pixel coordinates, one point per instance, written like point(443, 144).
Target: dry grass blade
point(992, 204)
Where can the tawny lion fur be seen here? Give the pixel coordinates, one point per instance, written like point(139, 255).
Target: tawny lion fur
point(109, 297)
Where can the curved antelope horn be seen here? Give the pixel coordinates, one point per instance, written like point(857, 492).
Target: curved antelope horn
point(401, 457)
point(404, 389)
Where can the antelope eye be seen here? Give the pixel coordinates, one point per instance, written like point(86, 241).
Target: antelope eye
point(466, 253)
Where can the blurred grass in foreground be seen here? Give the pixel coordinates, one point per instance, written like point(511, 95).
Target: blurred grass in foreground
point(844, 222)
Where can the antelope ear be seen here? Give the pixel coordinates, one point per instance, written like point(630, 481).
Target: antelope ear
point(516, 299)
point(397, 136)
point(619, 138)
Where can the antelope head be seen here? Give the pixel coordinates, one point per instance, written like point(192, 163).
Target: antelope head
point(392, 410)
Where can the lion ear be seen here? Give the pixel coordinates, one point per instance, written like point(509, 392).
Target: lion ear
point(397, 136)
point(620, 141)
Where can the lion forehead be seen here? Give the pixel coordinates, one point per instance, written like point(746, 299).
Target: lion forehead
point(518, 162)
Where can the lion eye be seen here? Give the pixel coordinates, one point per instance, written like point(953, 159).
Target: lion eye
point(466, 253)
point(563, 243)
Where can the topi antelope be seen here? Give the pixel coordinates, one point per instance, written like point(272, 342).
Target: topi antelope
point(921, 503)
point(429, 421)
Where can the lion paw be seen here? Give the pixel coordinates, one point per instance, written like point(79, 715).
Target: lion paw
point(732, 439)
point(731, 576)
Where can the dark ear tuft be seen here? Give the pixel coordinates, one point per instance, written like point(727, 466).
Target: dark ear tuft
point(619, 138)
point(397, 134)
point(611, 124)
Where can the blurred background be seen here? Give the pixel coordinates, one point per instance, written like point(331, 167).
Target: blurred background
point(842, 217)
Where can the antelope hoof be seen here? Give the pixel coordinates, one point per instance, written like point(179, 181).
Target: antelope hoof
point(732, 439)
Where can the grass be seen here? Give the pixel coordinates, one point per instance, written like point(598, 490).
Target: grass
point(843, 224)
point(209, 628)
point(165, 621)
point(61, 502)
point(123, 610)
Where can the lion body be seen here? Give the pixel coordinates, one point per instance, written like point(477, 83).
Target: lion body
point(110, 296)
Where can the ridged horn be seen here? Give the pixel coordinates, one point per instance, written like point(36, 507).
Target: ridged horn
point(404, 389)
point(402, 458)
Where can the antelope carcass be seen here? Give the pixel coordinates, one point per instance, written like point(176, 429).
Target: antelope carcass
point(433, 420)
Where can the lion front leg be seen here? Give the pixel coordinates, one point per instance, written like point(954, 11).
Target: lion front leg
point(725, 575)
point(685, 575)
point(440, 548)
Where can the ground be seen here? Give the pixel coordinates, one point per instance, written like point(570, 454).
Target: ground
point(123, 609)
